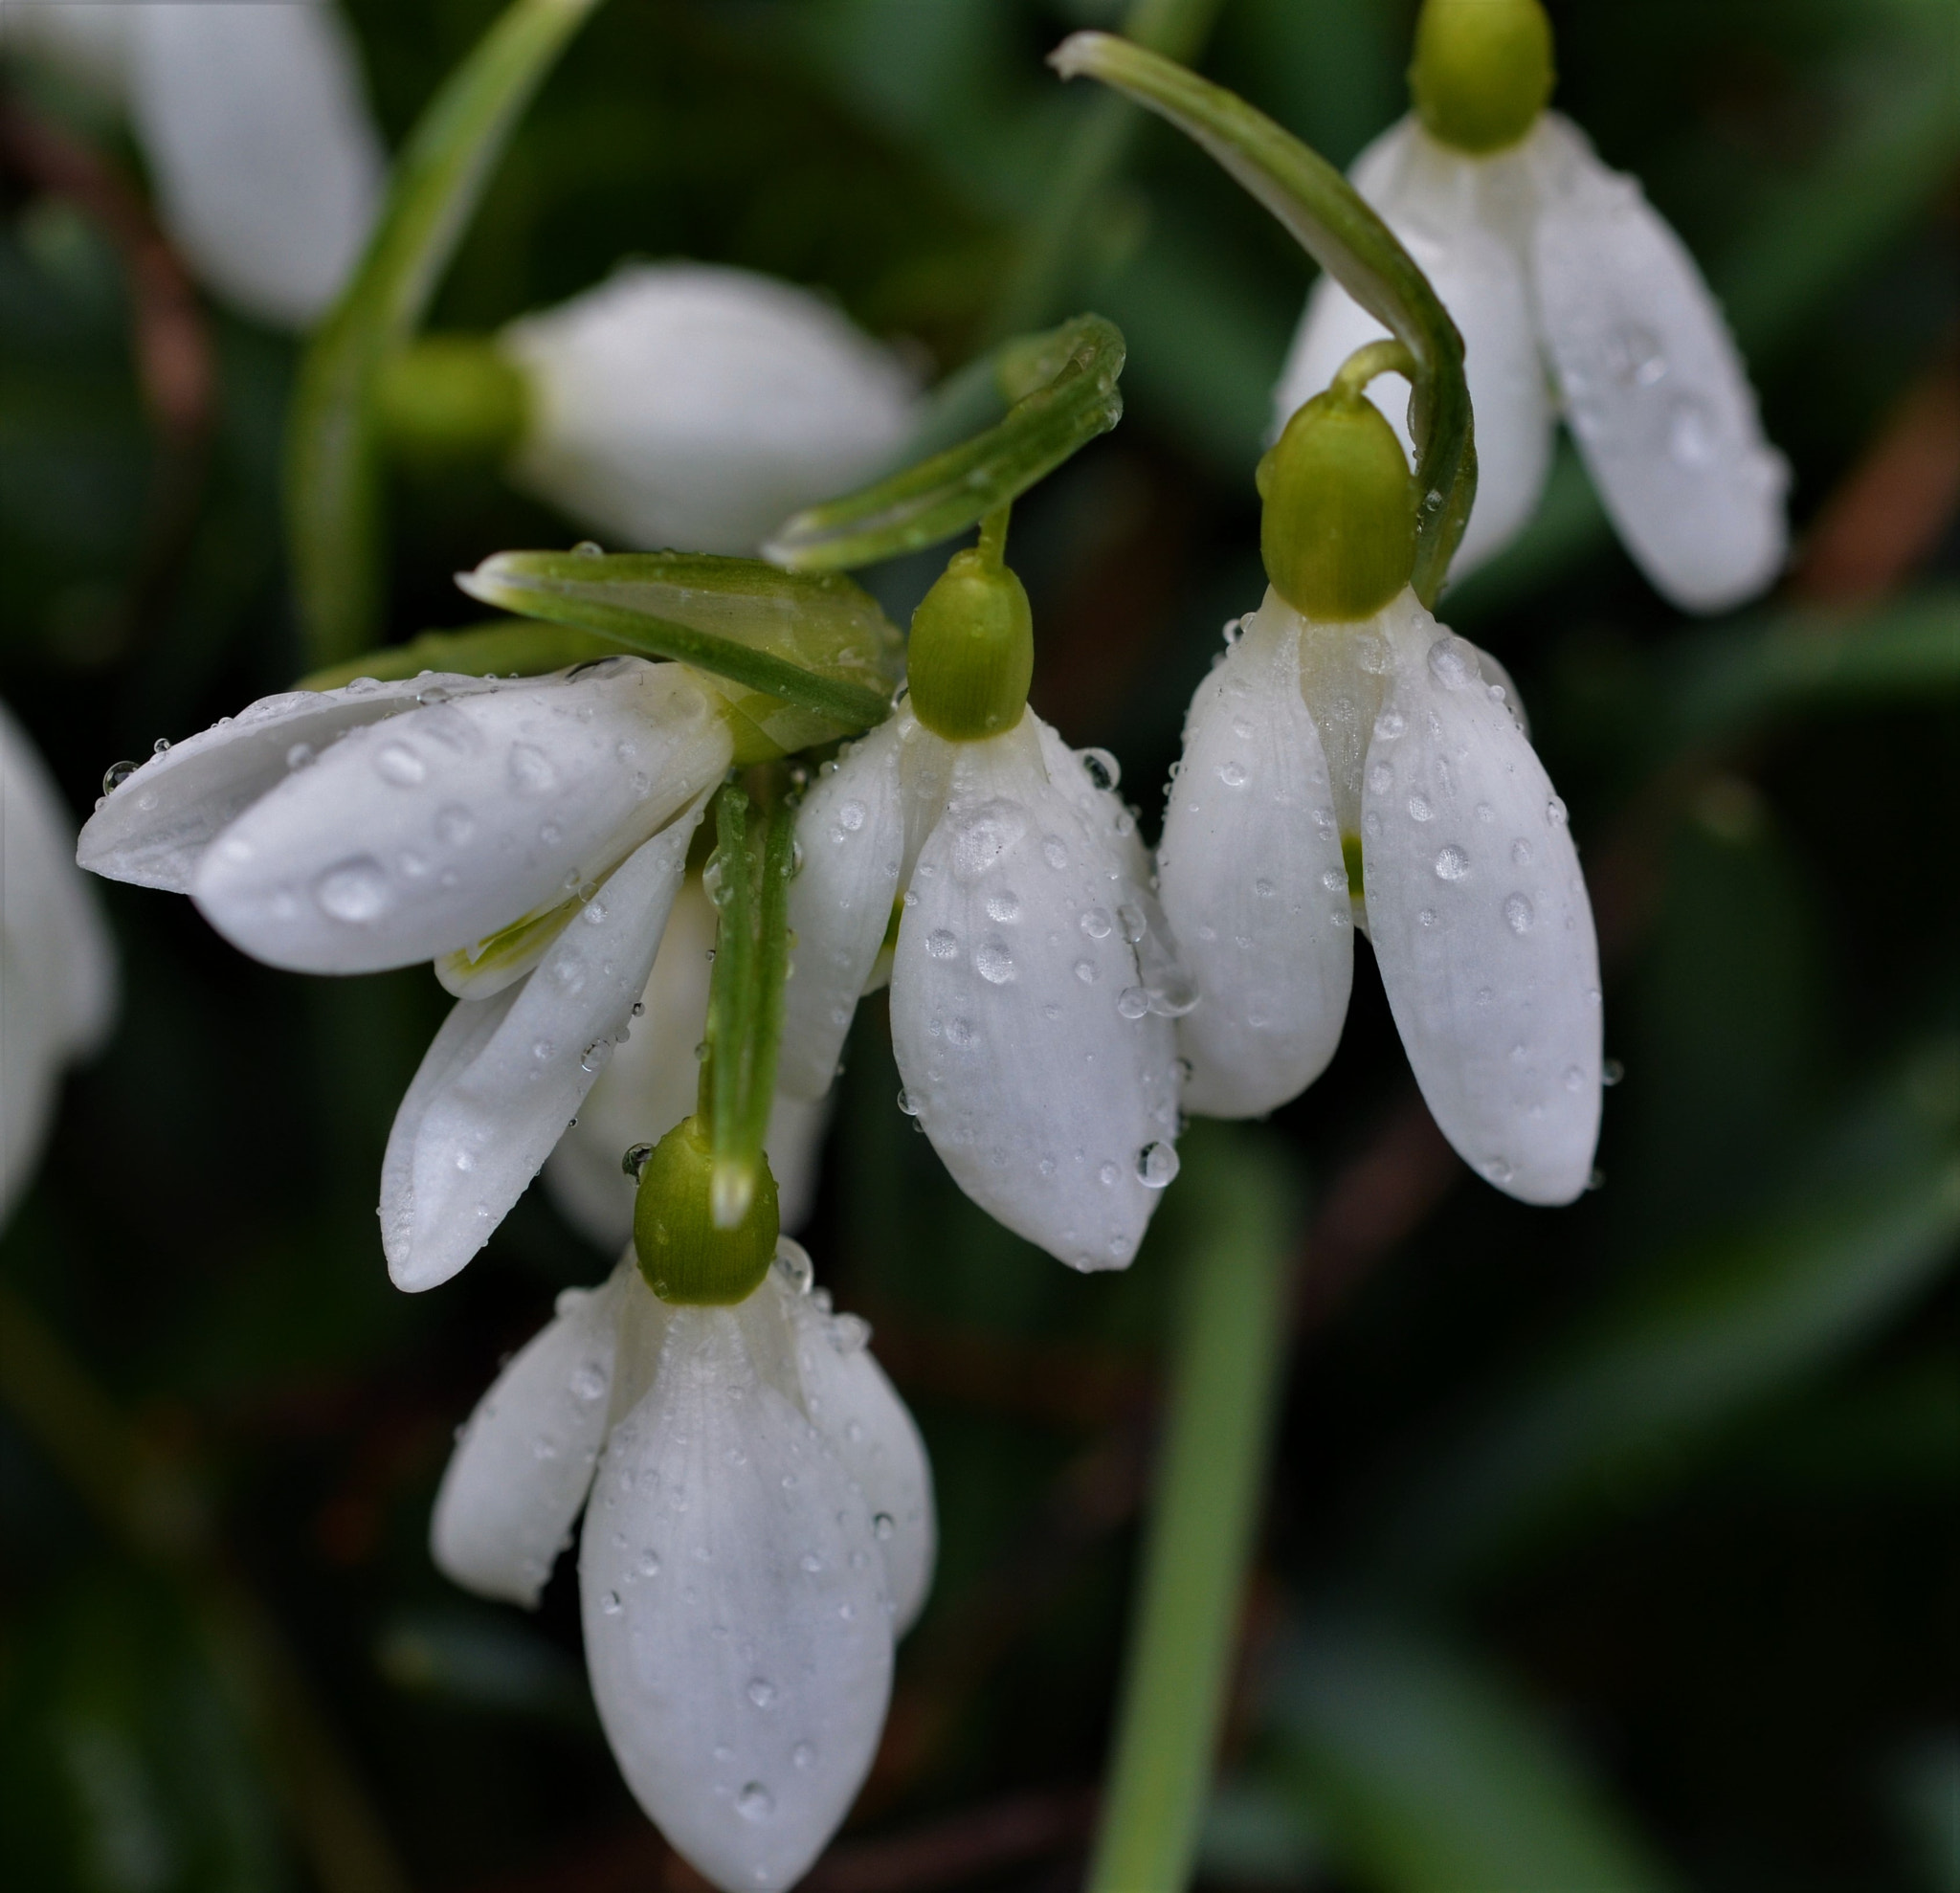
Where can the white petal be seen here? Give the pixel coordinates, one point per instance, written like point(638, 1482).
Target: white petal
point(735, 1611)
point(652, 1082)
point(505, 1075)
point(1654, 390)
point(154, 827)
point(1457, 217)
point(685, 405)
point(522, 1465)
point(859, 1412)
point(1479, 917)
point(852, 831)
point(403, 843)
point(266, 160)
point(1012, 994)
point(58, 970)
point(1253, 882)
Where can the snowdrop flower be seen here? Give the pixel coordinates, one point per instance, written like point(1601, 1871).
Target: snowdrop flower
point(266, 161)
point(759, 1531)
point(1031, 982)
point(58, 972)
point(1349, 761)
point(529, 836)
point(679, 404)
point(650, 1085)
point(1552, 264)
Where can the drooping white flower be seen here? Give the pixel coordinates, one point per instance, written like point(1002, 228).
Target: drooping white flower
point(528, 836)
point(266, 161)
point(759, 1532)
point(1555, 267)
point(689, 405)
point(650, 1083)
point(1390, 740)
point(58, 972)
point(1032, 996)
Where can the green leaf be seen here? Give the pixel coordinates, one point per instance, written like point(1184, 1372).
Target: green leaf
point(1687, 1347)
point(815, 641)
point(331, 447)
point(1729, 680)
point(1430, 1774)
point(1322, 210)
point(1064, 388)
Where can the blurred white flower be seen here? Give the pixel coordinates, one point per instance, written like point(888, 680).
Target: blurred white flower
point(759, 1532)
point(1031, 995)
point(693, 406)
point(529, 836)
point(266, 161)
point(58, 970)
point(650, 1083)
point(1548, 261)
point(1389, 739)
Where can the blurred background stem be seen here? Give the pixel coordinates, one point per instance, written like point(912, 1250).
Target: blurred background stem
point(148, 1501)
point(1228, 1343)
point(1034, 292)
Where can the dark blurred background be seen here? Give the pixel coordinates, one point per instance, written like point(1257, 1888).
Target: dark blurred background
point(1605, 1547)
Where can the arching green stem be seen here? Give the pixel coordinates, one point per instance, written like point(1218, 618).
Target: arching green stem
point(1330, 221)
point(332, 514)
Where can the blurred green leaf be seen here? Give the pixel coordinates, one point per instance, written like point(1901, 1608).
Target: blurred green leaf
point(1726, 681)
point(816, 640)
point(1432, 1775)
point(483, 1660)
point(1614, 1412)
point(332, 470)
point(497, 648)
point(1062, 386)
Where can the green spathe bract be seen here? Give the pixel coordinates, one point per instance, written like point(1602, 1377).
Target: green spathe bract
point(1338, 530)
point(1482, 71)
point(450, 398)
point(972, 650)
point(683, 1256)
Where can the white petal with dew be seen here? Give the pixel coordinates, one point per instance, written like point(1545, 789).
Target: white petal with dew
point(58, 969)
point(153, 827)
point(524, 1463)
point(1440, 204)
point(857, 1410)
point(267, 163)
point(682, 404)
point(405, 842)
point(736, 1615)
point(1023, 1034)
point(1654, 389)
point(505, 1075)
point(1479, 918)
point(652, 1082)
point(852, 831)
point(1253, 881)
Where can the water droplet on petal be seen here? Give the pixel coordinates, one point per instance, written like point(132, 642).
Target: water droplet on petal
point(1099, 766)
point(1095, 923)
point(398, 764)
point(993, 963)
point(1452, 863)
point(755, 1802)
point(1452, 663)
point(761, 1691)
point(1611, 1072)
point(1156, 1166)
point(1518, 913)
point(609, 1603)
point(117, 774)
point(636, 1159)
point(355, 891)
point(1132, 1002)
point(941, 944)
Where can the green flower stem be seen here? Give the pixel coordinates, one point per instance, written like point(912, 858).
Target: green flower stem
point(1177, 29)
point(1229, 1341)
point(753, 860)
point(1327, 216)
point(150, 1505)
point(332, 472)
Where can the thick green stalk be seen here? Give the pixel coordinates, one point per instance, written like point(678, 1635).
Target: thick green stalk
point(332, 513)
point(1229, 1343)
point(1329, 219)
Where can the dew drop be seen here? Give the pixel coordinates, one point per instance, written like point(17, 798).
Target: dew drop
point(1233, 774)
point(1419, 809)
point(1086, 971)
point(803, 1755)
point(1521, 853)
point(993, 963)
point(1099, 766)
point(907, 1103)
point(941, 944)
point(1156, 1166)
point(1003, 907)
point(609, 1603)
point(1518, 913)
point(396, 763)
point(1132, 1002)
point(636, 1159)
point(454, 825)
point(851, 817)
point(355, 891)
point(1390, 724)
point(1095, 923)
point(755, 1802)
point(1611, 1072)
point(1555, 812)
point(117, 773)
point(1452, 863)
point(761, 1691)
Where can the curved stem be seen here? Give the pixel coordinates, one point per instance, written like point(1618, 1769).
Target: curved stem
point(1327, 217)
point(1229, 1344)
